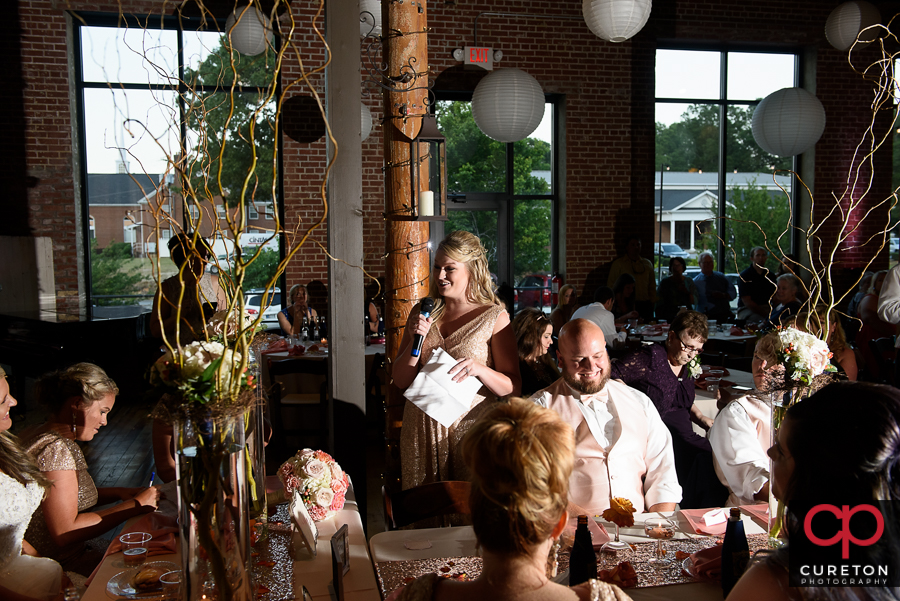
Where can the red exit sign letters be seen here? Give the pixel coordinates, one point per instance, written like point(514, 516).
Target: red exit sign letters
point(480, 57)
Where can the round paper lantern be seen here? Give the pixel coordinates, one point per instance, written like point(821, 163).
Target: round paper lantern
point(847, 20)
point(249, 30)
point(508, 105)
point(788, 122)
point(615, 20)
point(369, 18)
point(366, 116)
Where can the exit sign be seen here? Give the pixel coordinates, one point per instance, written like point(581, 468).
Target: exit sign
point(479, 56)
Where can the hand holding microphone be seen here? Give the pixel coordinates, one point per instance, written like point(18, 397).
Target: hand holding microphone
point(425, 309)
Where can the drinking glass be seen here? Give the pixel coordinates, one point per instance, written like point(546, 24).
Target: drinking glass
point(134, 548)
point(171, 584)
point(661, 529)
point(615, 546)
point(712, 384)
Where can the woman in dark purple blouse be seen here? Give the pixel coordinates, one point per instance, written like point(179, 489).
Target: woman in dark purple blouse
point(663, 372)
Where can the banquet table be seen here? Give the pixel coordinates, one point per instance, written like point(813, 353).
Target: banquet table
point(280, 577)
point(298, 382)
point(411, 553)
point(720, 342)
point(706, 401)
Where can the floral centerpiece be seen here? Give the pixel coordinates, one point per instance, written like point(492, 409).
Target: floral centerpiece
point(318, 479)
point(202, 373)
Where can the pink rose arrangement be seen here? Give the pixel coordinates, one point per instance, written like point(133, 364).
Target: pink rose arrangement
point(319, 481)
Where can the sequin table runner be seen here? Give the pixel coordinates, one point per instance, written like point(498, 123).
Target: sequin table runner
point(394, 574)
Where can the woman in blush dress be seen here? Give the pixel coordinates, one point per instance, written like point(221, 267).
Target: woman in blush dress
point(662, 372)
point(469, 323)
point(79, 399)
point(23, 577)
point(534, 335)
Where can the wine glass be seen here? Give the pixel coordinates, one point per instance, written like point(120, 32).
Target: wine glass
point(660, 529)
point(615, 545)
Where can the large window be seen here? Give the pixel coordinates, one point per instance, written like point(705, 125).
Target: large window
point(704, 144)
point(166, 144)
point(503, 193)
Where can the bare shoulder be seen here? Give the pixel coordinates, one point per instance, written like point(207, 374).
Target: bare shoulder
point(761, 582)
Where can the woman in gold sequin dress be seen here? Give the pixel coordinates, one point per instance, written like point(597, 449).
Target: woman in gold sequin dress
point(78, 398)
point(469, 323)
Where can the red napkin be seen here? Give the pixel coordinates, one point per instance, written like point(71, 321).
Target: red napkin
point(708, 563)
point(163, 529)
point(279, 346)
point(599, 535)
point(759, 512)
point(296, 351)
point(736, 331)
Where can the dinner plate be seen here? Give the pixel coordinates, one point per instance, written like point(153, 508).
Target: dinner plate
point(120, 585)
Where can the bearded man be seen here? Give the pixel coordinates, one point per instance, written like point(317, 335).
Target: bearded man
point(622, 447)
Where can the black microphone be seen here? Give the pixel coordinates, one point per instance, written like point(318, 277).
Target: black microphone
point(425, 310)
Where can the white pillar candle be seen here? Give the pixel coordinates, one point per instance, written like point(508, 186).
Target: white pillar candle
point(426, 203)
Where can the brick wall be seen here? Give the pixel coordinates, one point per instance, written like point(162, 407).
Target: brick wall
point(608, 88)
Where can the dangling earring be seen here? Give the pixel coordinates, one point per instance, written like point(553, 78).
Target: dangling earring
point(73, 422)
point(553, 559)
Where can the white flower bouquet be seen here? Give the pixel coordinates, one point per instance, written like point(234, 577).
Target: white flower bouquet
point(319, 481)
point(803, 355)
point(208, 371)
point(228, 325)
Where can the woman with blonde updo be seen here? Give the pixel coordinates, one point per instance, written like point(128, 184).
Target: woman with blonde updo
point(469, 323)
point(520, 456)
point(534, 335)
point(78, 399)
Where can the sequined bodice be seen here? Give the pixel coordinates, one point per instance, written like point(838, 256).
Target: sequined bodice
point(471, 340)
point(53, 453)
point(17, 503)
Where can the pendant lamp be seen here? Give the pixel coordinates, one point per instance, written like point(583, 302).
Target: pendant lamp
point(847, 20)
point(249, 30)
point(615, 20)
point(508, 105)
point(788, 122)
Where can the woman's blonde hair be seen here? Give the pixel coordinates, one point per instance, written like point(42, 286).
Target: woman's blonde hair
point(520, 457)
point(464, 247)
point(15, 462)
point(562, 295)
point(84, 380)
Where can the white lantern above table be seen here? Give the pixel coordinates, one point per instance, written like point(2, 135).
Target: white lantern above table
point(847, 20)
point(615, 20)
point(508, 105)
point(788, 122)
point(248, 30)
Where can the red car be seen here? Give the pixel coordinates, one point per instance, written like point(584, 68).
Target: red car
point(534, 291)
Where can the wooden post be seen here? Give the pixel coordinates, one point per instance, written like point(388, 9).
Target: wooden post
point(407, 264)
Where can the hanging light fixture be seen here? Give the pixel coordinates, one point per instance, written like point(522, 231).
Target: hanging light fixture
point(508, 105)
point(615, 20)
point(366, 116)
point(788, 122)
point(369, 18)
point(248, 30)
point(847, 20)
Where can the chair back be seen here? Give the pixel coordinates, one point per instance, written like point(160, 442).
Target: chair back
point(426, 501)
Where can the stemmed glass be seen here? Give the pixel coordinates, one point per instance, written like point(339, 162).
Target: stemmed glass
point(615, 545)
point(661, 529)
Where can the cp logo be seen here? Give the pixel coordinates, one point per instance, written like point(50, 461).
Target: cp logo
point(844, 536)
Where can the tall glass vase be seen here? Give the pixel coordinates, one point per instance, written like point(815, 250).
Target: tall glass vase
point(780, 400)
point(254, 421)
point(213, 507)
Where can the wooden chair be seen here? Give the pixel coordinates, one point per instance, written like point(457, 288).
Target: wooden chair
point(318, 427)
point(426, 501)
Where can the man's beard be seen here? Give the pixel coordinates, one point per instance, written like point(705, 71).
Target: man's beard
point(585, 387)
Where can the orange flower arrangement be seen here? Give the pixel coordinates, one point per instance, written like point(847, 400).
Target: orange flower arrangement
point(620, 512)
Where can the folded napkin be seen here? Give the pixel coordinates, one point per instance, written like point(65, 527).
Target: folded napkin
point(736, 331)
point(759, 512)
point(279, 346)
point(695, 519)
point(434, 391)
point(715, 516)
point(296, 351)
point(163, 529)
point(708, 563)
point(599, 535)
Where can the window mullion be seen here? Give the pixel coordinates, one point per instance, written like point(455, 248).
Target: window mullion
point(723, 155)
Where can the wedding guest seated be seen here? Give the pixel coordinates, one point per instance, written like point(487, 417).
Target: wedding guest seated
point(600, 312)
point(787, 290)
point(291, 317)
point(825, 454)
point(534, 335)
point(565, 307)
point(740, 434)
point(23, 577)
point(623, 307)
point(843, 357)
point(520, 458)
point(622, 447)
point(873, 327)
point(714, 291)
point(665, 372)
point(675, 292)
point(756, 288)
point(78, 399)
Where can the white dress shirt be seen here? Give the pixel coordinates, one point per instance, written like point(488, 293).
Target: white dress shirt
point(598, 314)
point(889, 299)
point(738, 453)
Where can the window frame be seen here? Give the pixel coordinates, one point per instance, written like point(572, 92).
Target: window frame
point(504, 202)
point(179, 24)
point(723, 102)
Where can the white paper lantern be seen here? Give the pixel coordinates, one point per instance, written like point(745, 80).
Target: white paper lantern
point(847, 20)
point(788, 122)
point(508, 105)
point(366, 116)
point(615, 20)
point(249, 30)
point(369, 17)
